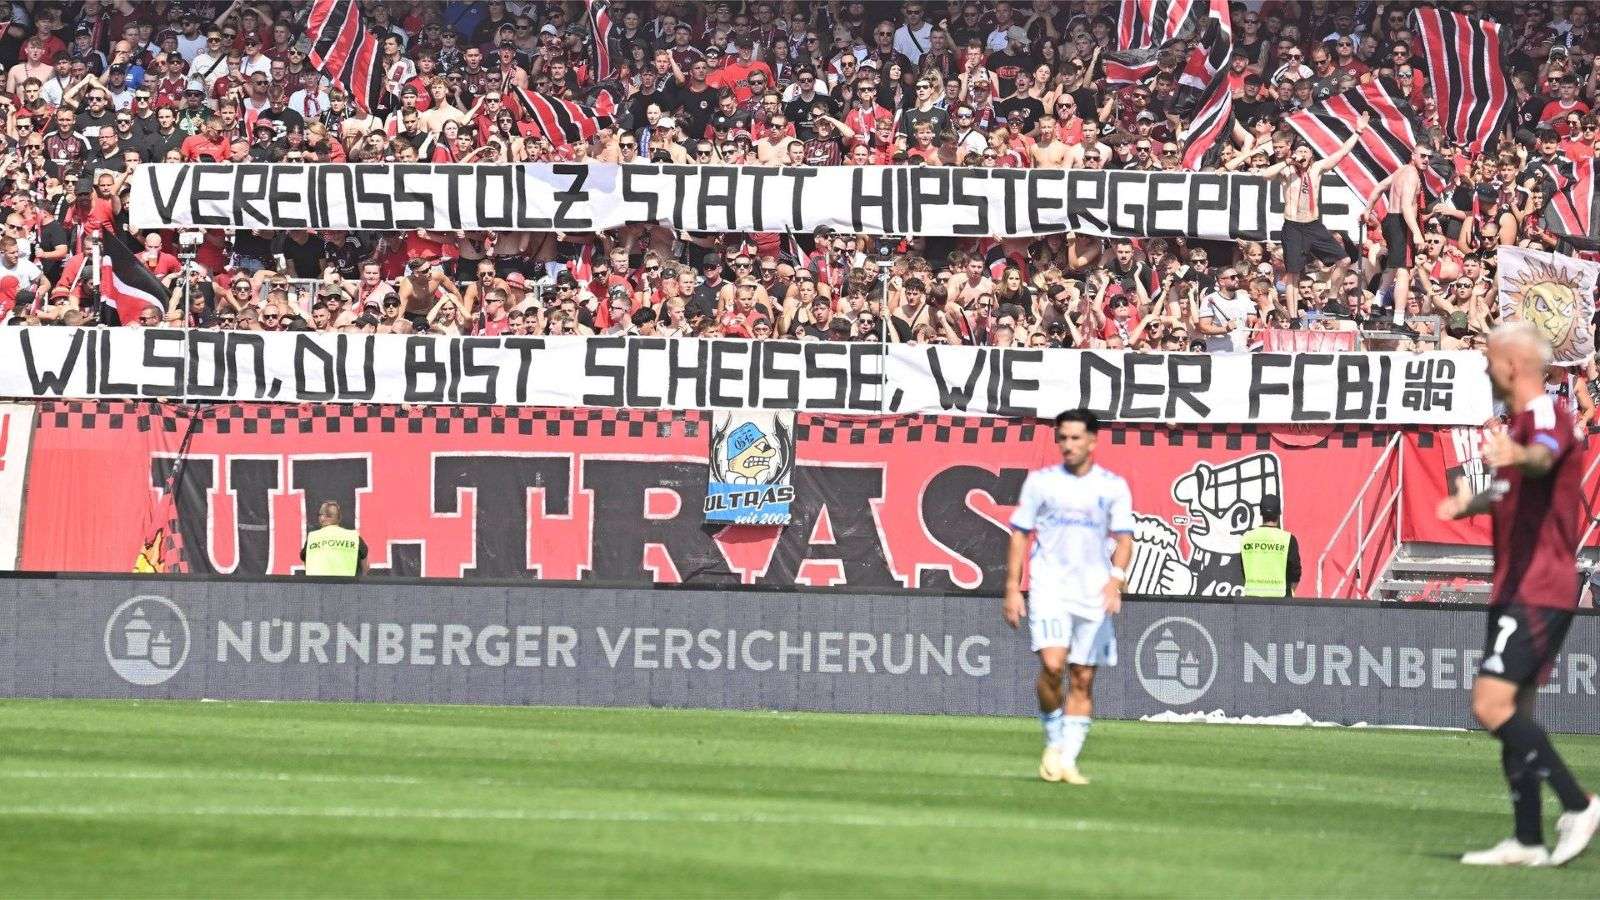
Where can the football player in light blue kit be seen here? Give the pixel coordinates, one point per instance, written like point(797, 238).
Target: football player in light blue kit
point(1069, 515)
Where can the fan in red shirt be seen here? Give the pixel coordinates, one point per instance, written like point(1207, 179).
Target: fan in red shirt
point(1535, 499)
point(735, 74)
point(209, 145)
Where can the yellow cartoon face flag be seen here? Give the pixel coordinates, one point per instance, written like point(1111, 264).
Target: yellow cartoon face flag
point(1553, 293)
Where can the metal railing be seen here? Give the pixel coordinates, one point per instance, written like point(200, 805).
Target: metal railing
point(1390, 504)
point(1590, 513)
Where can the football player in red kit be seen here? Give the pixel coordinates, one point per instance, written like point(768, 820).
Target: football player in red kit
point(1535, 502)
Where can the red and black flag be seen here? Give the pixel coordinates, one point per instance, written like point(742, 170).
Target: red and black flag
point(562, 121)
point(1143, 27)
point(126, 285)
point(1571, 213)
point(1207, 71)
point(1129, 66)
point(1151, 23)
point(1465, 74)
point(1386, 146)
point(344, 49)
point(600, 18)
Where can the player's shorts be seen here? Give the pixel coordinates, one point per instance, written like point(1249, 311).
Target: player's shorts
point(1523, 641)
point(1397, 243)
point(1089, 641)
point(1304, 241)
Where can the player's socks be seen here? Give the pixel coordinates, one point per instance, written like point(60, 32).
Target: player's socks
point(1053, 722)
point(1532, 744)
point(1076, 729)
point(1523, 783)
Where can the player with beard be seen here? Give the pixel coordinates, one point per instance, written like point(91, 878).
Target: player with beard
point(1067, 517)
point(1303, 232)
point(1534, 499)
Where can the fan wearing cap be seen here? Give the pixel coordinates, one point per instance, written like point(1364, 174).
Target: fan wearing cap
point(83, 49)
point(168, 77)
point(707, 297)
point(254, 60)
point(1270, 555)
point(727, 119)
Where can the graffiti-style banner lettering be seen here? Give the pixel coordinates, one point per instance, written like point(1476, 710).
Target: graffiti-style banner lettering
point(572, 197)
point(658, 373)
point(618, 496)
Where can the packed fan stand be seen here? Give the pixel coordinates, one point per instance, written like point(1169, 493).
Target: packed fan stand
point(510, 421)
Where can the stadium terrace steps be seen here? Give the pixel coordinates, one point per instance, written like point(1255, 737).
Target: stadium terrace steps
point(1440, 573)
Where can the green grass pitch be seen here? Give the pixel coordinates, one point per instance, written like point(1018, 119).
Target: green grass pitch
point(167, 799)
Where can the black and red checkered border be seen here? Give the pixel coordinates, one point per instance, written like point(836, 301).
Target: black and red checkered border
point(278, 418)
point(337, 418)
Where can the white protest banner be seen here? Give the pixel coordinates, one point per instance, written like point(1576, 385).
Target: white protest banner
point(1449, 388)
point(568, 371)
point(1555, 293)
point(582, 197)
point(1379, 388)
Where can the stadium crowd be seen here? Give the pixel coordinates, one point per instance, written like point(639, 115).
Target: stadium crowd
point(95, 89)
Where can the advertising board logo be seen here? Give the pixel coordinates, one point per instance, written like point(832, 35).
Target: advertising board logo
point(147, 640)
point(1176, 660)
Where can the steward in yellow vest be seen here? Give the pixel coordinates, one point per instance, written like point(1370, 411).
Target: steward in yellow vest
point(1271, 555)
point(333, 549)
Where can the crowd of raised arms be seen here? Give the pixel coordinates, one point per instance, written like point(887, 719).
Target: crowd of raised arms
point(93, 90)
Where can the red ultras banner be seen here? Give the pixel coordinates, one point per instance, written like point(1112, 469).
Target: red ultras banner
point(614, 496)
point(1437, 458)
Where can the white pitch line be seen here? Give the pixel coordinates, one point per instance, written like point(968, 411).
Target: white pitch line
point(181, 775)
point(520, 815)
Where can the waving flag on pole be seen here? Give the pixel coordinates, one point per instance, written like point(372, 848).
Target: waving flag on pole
point(343, 49)
point(1382, 150)
point(1206, 70)
point(600, 18)
point(1464, 74)
point(127, 286)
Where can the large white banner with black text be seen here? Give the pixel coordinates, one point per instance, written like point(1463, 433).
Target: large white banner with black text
point(1411, 388)
point(577, 197)
point(1398, 388)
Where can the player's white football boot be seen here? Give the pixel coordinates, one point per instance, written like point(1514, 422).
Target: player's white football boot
point(1509, 852)
point(1050, 768)
point(1071, 775)
point(1574, 830)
